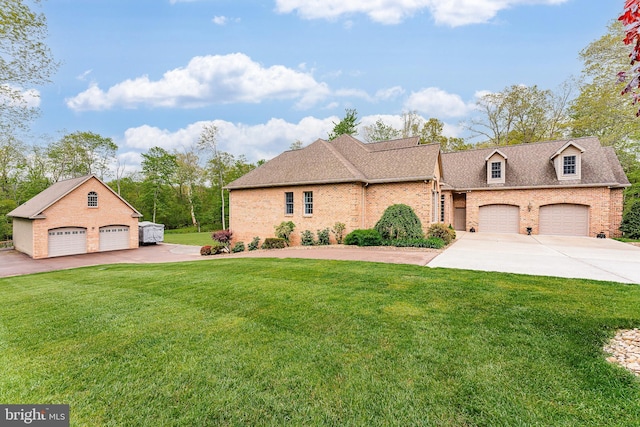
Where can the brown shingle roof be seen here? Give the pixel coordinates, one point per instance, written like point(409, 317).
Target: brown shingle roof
point(345, 159)
point(33, 208)
point(530, 165)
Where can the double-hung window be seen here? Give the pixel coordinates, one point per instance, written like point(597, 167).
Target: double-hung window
point(288, 203)
point(569, 165)
point(308, 202)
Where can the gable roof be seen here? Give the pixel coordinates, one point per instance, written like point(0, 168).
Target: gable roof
point(530, 165)
point(34, 207)
point(345, 159)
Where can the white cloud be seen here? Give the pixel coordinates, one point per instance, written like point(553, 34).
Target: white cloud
point(261, 141)
point(435, 102)
point(446, 12)
point(13, 96)
point(206, 80)
point(83, 76)
point(220, 20)
point(389, 93)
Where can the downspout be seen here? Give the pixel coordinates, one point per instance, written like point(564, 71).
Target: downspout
point(364, 206)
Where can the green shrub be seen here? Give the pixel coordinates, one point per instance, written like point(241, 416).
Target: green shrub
point(369, 237)
point(399, 222)
point(441, 231)
point(338, 231)
point(218, 248)
point(274, 243)
point(431, 242)
point(238, 247)
point(255, 244)
point(631, 222)
point(306, 238)
point(205, 250)
point(284, 230)
point(324, 236)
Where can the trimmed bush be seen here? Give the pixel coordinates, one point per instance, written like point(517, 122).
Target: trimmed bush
point(306, 238)
point(324, 236)
point(431, 242)
point(441, 231)
point(399, 222)
point(218, 248)
point(338, 231)
point(205, 250)
point(369, 237)
point(238, 247)
point(284, 230)
point(631, 222)
point(274, 243)
point(255, 244)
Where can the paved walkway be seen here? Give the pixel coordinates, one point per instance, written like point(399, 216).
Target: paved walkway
point(560, 256)
point(14, 263)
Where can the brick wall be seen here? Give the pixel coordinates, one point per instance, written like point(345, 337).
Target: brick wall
point(72, 211)
point(255, 212)
point(603, 206)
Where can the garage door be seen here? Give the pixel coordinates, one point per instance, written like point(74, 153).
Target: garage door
point(499, 219)
point(67, 241)
point(564, 220)
point(114, 237)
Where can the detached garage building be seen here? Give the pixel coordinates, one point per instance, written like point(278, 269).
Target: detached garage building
point(75, 216)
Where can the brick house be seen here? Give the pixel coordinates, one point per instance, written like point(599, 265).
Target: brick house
point(74, 216)
point(568, 187)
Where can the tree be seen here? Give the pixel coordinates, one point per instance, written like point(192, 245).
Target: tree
point(347, 126)
point(209, 141)
point(599, 110)
point(25, 60)
point(158, 167)
point(12, 163)
point(519, 114)
point(380, 131)
point(296, 145)
point(81, 153)
point(631, 19)
point(188, 175)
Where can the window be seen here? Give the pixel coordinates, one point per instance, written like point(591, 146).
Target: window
point(288, 203)
point(441, 208)
point(92, 199)
point(569, 165)
point(308, 202)
point(496, 170)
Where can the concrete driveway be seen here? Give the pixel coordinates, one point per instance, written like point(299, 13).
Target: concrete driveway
point(561, 256)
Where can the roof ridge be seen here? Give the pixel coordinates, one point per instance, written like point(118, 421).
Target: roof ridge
point(346, 163)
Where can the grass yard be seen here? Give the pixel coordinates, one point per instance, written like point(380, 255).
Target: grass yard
point(306, 342)
point(195, 239)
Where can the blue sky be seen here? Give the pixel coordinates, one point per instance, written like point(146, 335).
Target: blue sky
point(269, 72)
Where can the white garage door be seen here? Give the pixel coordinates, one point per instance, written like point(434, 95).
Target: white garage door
point(114, 237)
point(564, 220)
point(499, 219)
point(67, 241)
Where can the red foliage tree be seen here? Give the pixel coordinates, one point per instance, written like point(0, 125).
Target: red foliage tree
point(631, 20)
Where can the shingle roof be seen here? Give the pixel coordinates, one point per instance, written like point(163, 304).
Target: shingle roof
point(530, 165)
point(33, 208)
point(345, 159)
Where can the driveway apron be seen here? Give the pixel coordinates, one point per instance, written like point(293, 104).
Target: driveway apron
point(560, 256)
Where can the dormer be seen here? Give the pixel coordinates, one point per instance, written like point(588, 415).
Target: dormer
point(567, 162)
point(496, 167)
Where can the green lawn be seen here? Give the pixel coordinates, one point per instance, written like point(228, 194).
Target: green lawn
point(306, 342)
point(195, 239)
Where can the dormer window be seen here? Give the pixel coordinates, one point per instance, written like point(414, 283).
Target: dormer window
point(567, 162)
point(496, 162)
point(92, 199)
point(569, 165)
